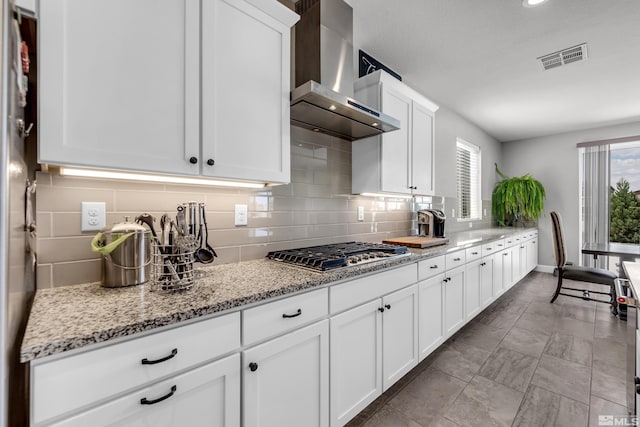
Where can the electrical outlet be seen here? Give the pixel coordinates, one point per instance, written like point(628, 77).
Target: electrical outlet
point(93, 216)
point(453, 213)
point(241, 215)
point(470, 224)
point(360, 213)
point(484, 212)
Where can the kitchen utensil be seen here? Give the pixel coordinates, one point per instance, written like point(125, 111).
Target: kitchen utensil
point(192, 217)
point(125, 254)
point(203, 254)
point(206, 232)
point(181, 221)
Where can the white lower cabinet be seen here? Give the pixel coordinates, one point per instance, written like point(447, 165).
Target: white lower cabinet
point(454, 299)
point(431, 314)
point(400, 334)
point(508, 276)
point(498, 274)
point(206, 396)
point(286, 380)
point(356, 361)
point(473, 283)
point(532, 253)
point(372, 346)
point(486, 281)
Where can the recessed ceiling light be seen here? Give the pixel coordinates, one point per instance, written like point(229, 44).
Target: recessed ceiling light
point(532, 3)
point(332, 107)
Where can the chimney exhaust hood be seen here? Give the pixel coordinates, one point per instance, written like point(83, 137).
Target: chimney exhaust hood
point(323, 68)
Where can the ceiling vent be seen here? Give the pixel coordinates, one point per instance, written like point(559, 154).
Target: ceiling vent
point(564, 57)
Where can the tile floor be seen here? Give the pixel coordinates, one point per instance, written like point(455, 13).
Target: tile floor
point(521, 362)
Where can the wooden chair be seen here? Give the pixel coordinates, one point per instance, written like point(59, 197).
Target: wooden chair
point(583, 274)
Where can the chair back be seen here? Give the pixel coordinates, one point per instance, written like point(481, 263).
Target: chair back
point(558, 239)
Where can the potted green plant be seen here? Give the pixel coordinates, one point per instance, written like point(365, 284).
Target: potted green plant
point(516, 200)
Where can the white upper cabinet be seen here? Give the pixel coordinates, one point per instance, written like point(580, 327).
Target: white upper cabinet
point(245, 89)
point(400, 161)
point(166, 86)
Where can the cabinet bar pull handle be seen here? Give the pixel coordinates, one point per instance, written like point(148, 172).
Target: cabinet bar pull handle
point(145, 401)
point(387, 306)
point(434, 266)
point(289, 316)
point(253, 366)
point(146, 361)
point(505, 254)
point(476, 253)
point(456, 259)
point(489, 249)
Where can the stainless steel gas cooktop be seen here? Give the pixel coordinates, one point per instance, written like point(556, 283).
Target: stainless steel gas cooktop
point(339, 255)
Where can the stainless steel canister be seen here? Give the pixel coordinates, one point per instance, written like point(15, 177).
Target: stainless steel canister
point(126, 254)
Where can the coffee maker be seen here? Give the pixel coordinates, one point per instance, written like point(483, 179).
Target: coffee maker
point(431, 223)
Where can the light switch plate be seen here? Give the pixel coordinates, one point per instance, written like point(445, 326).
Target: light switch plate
point(241, 215)
point(93, 216)
point(360, 213)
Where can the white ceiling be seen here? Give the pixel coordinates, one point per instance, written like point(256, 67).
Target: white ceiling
point(478, 57)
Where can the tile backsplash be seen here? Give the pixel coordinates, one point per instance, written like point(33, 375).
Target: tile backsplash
point(317, 207)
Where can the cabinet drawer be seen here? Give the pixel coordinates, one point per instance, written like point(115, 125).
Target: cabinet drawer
point(68, 383)
point(282, 315)
point(492, 247)
point(346, 295)
point(473, 253)
point(209, 395)
point(430, 267)
point(455, 259)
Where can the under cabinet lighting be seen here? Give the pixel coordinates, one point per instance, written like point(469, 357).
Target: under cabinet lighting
point(532, 3)
point(95, 173)
point(395, 196)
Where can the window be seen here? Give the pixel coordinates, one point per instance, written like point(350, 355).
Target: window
point(468, 180)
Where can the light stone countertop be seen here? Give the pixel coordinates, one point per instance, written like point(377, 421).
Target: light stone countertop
point(72, 317)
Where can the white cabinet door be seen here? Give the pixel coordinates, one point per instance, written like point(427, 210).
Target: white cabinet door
point(422, 150)
point(286, 380)
point(245, 91)
point(454, 313)
point(430, 305)
point(498, 273)
point(118, 84)
point(400, 334)
point(532, 254)
point(486, 281)
point(356, 361)
point(396, 145)
point(508, 276)
point(206, 396)
point(472, 286)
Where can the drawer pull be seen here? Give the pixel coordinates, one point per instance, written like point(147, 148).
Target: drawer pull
point(457, 259)
point(489, 249)
point(253, 366)
point(434, 266)
point(145, 401)
point(289, 316)
point(475, 253)
point(381, 309)
point(387, 306)
point(146, 361)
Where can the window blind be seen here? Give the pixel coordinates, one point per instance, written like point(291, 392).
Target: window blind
point(468, 180)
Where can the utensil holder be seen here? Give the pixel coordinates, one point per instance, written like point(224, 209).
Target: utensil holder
point(172, 268)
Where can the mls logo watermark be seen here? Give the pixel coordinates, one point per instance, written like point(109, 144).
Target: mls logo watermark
point(618, 420)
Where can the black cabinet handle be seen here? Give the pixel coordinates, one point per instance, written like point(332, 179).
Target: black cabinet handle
point(211, 162)
point(434, 266)
point(289, 316)
point(489, 249)
point(193, 160)
point(253, 366)
point(381, 310)
point(483, 264)
point(456, 259)
point(146, 361)
point(145, 401)
point(475, 253)
point(387, 306)
point(505, 254)
point(499, 244)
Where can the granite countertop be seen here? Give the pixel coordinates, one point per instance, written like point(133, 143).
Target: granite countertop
point(72, 317)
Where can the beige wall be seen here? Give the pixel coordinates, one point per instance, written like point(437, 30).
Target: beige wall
point(316, 208)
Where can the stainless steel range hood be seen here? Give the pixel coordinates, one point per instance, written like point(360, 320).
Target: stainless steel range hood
point(323, 68)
